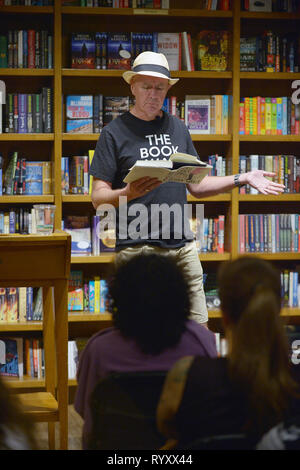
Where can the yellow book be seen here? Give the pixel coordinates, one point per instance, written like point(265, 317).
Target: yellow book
point(254, 101)
point(247, 115)
point(91, 155)
point(97, 294)
point(262, 116)
point(268, 115)
point(22, 304)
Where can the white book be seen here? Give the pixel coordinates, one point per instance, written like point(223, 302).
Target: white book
point(186, 60)
point(197, 114)
point(253, 166)
point(180, 168)
point(169, 45)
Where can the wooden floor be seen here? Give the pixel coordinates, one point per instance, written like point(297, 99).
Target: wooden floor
point(75, 432)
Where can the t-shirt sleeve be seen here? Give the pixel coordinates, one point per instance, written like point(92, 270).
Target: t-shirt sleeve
point(104, 163)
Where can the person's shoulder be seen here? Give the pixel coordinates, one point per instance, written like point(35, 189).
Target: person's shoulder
point(197, 328)
point(101, 337)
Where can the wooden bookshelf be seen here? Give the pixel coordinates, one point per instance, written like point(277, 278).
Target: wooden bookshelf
point(64, 80)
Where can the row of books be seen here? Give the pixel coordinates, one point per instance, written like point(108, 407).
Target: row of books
point(87, 294)
point(290, 287)
point(208, 50)
point(202, 4)
point(119, 3)
point(270, 52)
point(26, 49)
point(75, 174)
point(286, 167)
point(42, 3)
point(86, 114)
point(209, 234)
point(21, 304)
point(26, 177)
point(271, 233)
point(29, 112)
point(269, 116)
point(208, 114)
point(271, 5)
point(18, 220)
point(26, 357)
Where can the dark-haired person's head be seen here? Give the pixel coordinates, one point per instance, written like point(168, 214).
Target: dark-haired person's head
point(250, 295)
point(151, 302)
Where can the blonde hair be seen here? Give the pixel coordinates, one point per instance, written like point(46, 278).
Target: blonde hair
point(250, 295)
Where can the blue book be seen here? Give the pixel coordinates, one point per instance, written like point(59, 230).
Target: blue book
point(82, 51)
point(103, 296)
point(34, 178)
point(79, 106)
point(22, 113)
point(279, 122)
point(92, 296)
point(295, 289)
point(29, 303)
point(284, 116)
point(79, 126)
point(119, 51)
point(12, 358)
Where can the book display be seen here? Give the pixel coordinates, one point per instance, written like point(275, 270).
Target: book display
point(237, 93)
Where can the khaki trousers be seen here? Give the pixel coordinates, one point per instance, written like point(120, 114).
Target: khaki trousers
point(188, 259)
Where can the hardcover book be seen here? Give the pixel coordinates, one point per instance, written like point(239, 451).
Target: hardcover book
point(212, 50)
point(83, 51)
point(79, 126)
point(79, 106)
point(180, 168)
point(169, 44)
point(114, 106)
point(197, 114)
point(11, 357)
point(119, 51)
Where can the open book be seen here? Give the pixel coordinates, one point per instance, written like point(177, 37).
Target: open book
point(180, 168)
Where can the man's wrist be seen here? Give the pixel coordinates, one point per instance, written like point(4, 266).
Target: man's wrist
point(240, 179)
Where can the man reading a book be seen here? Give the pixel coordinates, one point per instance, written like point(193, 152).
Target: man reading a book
point(148, 132)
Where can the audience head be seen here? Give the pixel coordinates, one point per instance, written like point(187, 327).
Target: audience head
point(250, 295)
point(151, 303)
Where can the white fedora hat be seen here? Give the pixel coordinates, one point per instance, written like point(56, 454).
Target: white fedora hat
point(150, 63)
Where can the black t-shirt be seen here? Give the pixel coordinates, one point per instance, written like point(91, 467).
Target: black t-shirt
point(147, 219)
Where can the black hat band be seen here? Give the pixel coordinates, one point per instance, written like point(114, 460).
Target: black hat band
point(152, 68)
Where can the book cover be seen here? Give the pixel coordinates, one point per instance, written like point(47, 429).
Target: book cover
point(107, 241)
point(114, 106)
point(82, 51)
point(11, 357)
point(75, 291)
point(197, 114)
point(79, 229)
point(79, 126)
point(212, 50)
point(34, 178)
point(118, 51)
point(79, 106)
point(12, 304)
point(3, 304)
point(169, 44)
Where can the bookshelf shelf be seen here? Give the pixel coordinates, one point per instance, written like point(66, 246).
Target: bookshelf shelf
point(67, 72)
point(175, 13)
point(282, 256)
point(261, 197)
point(89, 317)
point(21, 326)
point(10, 72)
point(76, 198)
point(269, 75)
point(28, 10)
point(253, 15)
point(104, 258)
point(285, 312)
point(83, 137)
point(29, 137)
point(269, 138)
point(26, 199)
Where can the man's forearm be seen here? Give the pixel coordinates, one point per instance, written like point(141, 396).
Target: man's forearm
point(211, 185)
point(107, 196)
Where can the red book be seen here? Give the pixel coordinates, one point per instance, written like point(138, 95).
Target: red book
point(191, 52)
point(225, 4)
point(31, 48)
